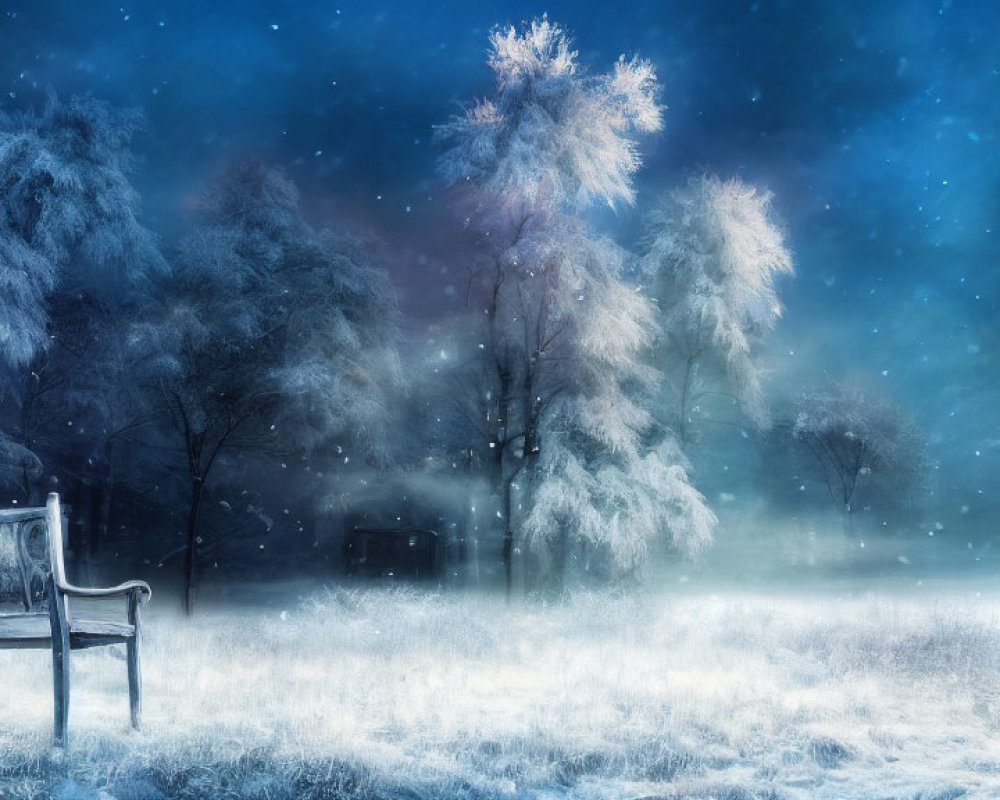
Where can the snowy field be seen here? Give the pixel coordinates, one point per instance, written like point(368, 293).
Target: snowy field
point(399, 694)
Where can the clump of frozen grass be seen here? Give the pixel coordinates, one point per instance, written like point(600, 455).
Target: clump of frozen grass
point(387, 693)
point(959, 644)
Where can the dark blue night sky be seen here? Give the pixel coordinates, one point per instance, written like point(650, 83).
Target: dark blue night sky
point(874, 123)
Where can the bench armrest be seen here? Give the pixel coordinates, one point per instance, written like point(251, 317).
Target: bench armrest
point(122, 589)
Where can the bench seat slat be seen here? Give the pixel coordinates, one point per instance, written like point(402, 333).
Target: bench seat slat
point(85, 633)
point(25, 631)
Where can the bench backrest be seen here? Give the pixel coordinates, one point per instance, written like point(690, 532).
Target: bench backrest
point(31, 556)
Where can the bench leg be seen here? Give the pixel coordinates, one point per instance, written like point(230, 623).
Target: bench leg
point(60, 661)
point(132, 658)
point(134, 683)
point(60, 691)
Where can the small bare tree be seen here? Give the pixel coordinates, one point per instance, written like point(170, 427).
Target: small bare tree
point(862, 442)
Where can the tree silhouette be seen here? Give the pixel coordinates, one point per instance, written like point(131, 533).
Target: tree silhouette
point(270, 339)
point(861, 441)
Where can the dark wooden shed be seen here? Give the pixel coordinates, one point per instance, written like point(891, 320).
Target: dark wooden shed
point(407, 553)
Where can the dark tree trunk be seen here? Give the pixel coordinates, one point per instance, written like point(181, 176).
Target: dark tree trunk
point(101, 531)
point(560, 561)
point(502, 477)
point(32, 497)
point(508, 539)
point(849, 480)
point(848, 521)
point(191, 550)
point(682, 420)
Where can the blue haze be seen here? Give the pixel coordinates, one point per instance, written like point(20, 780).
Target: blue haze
point(875, 124)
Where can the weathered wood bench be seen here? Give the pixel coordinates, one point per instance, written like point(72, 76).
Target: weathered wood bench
point(33, 576)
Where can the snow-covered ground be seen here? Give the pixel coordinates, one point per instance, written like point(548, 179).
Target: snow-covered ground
point(384, 693)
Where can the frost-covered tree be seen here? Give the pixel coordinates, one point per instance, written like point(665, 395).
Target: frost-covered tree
point(863, 443)
point(613, 503)
point(341, 373)
point(68, 215)
point(70, 241)
point(605, 481)
point(713, 253)
point(272, 338)
point(561, 352)
point(552, 135)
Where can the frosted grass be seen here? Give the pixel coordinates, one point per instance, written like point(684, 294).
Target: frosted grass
point(403, 694)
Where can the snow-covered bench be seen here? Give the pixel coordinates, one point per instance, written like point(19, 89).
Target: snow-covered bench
point(33, 577)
